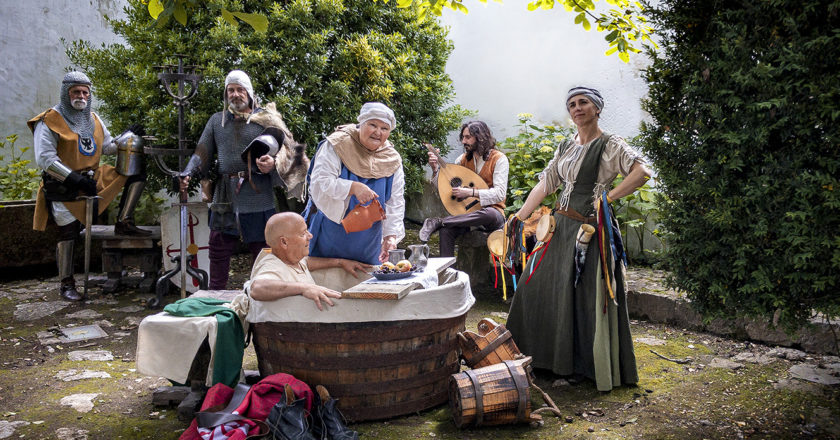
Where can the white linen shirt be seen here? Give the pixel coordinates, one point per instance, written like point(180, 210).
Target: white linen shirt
point(331, 194)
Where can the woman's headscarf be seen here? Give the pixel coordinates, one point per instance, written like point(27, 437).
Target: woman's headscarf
point(379, 111)
point(592, 94)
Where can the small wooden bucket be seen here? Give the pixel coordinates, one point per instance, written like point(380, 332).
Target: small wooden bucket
point(494, 395)
point(492, 345)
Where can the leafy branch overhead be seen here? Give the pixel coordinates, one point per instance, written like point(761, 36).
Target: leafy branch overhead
point(626, 26)
point(163, 10)
point(625, 23)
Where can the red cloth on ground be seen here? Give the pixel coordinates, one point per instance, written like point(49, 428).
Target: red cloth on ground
point(256, 405)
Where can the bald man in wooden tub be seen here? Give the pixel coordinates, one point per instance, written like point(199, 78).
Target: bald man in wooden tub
point(284, 269)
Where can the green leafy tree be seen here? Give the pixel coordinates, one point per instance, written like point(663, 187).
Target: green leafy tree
point(745, 137)
point(319, 61)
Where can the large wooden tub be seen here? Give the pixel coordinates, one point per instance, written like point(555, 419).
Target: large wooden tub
point(378, 368)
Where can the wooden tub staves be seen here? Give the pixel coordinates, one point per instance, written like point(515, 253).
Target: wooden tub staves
point(494, 395)
point(493, 344)
point(376, 370)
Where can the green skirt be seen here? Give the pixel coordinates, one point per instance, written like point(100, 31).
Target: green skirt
point(574, 330)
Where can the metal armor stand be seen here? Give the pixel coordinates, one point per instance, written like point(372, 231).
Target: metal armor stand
point(187, 86)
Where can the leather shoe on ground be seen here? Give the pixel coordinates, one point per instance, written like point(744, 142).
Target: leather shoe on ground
point(127, 227)
point(430, 225)
point(287, 420)
point(68, 290)
point(329, 422)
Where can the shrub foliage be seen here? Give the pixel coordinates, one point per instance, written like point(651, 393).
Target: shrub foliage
point(529, 152)
point(745, 137)
point(319, 60)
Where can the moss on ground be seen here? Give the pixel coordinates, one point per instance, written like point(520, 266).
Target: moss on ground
point(672, 401)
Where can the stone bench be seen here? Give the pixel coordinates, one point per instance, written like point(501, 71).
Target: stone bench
point(121, 251)
point(474, 258)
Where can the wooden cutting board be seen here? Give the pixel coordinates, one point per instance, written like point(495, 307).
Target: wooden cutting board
point(379, 291)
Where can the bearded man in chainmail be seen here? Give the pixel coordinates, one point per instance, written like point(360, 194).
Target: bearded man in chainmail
point(242, 199)
point(69, 140)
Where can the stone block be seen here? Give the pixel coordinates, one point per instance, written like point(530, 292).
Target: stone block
point(474, 259)
point(188, 407)
point(818, 338)
point(685, 316)
point(649, 306)
point(424, 205)
point(167, 396)
point(731, 328)
point(762, 330)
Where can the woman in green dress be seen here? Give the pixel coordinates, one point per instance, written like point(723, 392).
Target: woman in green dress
point(578, 329)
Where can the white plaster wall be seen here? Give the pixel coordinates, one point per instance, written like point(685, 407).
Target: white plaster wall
point(508, 60)
point(33, 58)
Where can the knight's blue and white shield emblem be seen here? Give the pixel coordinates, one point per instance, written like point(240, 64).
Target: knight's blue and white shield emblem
point(87, 146)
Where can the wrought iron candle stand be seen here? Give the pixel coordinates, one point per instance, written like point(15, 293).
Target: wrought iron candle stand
point(186, 79)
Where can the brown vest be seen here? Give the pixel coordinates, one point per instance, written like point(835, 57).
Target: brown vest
point(108, 181)
point(486, 172)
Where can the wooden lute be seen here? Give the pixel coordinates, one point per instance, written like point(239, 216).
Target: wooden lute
point(451, 176)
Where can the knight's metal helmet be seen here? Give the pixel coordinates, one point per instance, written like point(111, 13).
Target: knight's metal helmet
point(268, 142)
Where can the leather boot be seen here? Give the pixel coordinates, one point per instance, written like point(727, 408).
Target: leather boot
point(287, 420)
point(430, 225)
point(125, 220)
point(329, 422)
point(64, 258)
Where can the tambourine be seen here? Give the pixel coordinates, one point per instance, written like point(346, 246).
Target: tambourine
point(545, 228)
point(497, 243)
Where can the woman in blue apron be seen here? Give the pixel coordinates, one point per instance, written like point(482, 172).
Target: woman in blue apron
point(357, 165)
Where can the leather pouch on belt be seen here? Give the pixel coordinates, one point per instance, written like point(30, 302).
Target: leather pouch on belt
point(363, 217)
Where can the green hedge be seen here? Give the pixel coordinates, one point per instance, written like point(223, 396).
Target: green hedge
point(745, 133)
point(320, 60)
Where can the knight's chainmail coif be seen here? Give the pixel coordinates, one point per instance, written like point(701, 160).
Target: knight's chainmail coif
point(80, 121)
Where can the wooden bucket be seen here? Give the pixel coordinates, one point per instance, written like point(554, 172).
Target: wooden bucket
point(376, 370)
point(494, 395)
point(492, 345)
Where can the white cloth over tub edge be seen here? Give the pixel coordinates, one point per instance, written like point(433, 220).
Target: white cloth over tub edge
point(173, 360)
point(450, 299)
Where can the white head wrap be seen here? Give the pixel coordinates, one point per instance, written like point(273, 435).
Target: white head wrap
point(377, 110)
point(592, 94)
point(241, 78)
